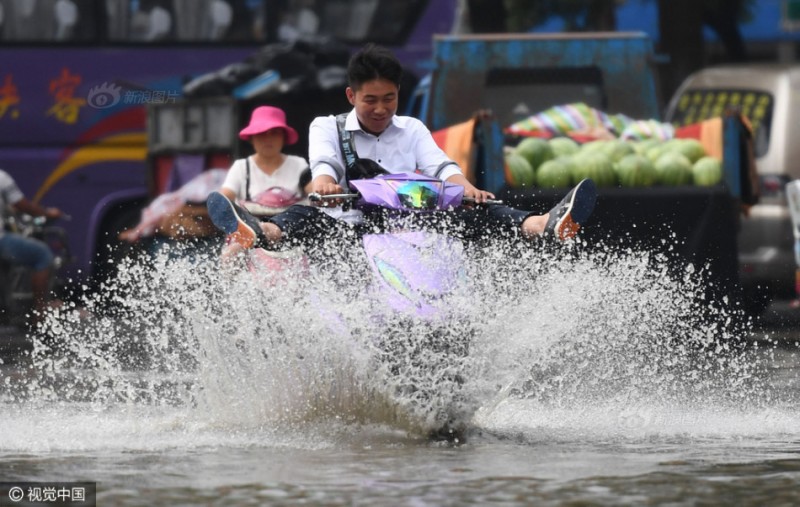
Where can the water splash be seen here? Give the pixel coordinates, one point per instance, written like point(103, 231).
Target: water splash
point(535, 341)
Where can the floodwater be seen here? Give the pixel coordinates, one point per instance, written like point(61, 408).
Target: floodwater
point(589, 379)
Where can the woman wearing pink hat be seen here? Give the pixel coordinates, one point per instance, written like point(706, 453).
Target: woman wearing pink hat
point(269, 179)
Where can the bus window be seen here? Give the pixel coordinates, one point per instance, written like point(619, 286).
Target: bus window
point(154, 21)
point(219, 20)
point(350, 24)
point(47, 20)
point(160, 22)
point(127, 20)
point(382, 21)
point(298, 21)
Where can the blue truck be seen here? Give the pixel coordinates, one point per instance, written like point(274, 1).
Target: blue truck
point(507, 77)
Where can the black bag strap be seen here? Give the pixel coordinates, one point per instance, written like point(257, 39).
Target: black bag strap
point(247, 180)
point(356, 168)
point(346, 143)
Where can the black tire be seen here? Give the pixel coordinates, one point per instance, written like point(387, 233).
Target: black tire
point(16, 298)
point(110, 249)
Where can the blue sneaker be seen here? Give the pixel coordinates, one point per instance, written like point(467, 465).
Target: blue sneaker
point(237, 223)
point(574, 210)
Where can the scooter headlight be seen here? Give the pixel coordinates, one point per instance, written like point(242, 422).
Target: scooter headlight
point(419, 194)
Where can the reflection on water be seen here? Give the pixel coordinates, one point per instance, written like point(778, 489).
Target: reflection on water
point(595, 378)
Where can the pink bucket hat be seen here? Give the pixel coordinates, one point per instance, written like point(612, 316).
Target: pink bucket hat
point(265, 118)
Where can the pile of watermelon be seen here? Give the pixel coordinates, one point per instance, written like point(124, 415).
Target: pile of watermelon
point(561, 162)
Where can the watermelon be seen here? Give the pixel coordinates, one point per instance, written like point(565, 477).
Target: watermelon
point(594, 165)
point(617, 149)
point(691, 148)
point(519, 172)
point(563, 146)
point(642, 146)
point(596, 145)
point(707, 171)
point(535, 151)
point(577, 167)
point(554, 173)
point(674, 169)
point(636, 171)
point(654, 152)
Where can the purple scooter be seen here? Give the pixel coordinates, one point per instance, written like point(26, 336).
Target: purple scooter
point(414, 269)
point(418, 273)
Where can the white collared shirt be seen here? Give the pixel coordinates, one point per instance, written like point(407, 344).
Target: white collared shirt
point(404, 147)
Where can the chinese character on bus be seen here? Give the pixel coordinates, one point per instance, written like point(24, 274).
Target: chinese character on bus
point(67, 106)
point(9, 98)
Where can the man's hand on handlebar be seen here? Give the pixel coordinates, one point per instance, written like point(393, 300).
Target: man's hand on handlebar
point(472, 194)
point(53, 213)
point(477, 195)
point(325, 185)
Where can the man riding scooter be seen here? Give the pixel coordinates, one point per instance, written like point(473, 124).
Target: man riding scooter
point(399, 144)
point(21, 250)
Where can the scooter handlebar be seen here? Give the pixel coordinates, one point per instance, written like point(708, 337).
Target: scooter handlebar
point(315, 197)
point(471, 200)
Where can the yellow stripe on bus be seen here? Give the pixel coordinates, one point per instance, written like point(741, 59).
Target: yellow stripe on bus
point(122, 147)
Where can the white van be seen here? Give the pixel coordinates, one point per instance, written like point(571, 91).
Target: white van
point(769, 96)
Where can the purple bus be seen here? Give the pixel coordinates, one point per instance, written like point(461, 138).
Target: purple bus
point(76, 77)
